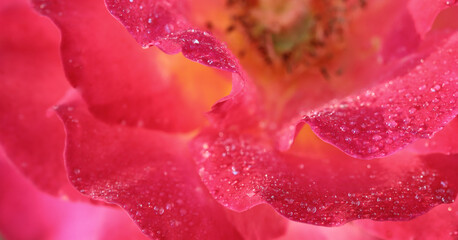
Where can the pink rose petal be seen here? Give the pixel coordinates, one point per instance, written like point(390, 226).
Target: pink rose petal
point(439, 223)
point(27, 213)
point(442, 142)
point(402, 39)
point(424, 12)
point(120, 81)
point(164, 24)
point(242, 170)
point(389, 116)
point(31, 82)
point(305, 231)
point(411, 26)
point(259, 222)
point(150, 174)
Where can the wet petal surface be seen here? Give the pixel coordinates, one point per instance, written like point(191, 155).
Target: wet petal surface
point(242, 171)
point(121, 82)
point(149, 174)
point(442, 142)
point(164, 24)
point(387, 117)
point(439, 223)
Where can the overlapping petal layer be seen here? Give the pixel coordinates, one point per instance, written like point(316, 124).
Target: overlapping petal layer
point(387, 117)
point(114, 163)
point(150, 174)
point(121, 82)
point(411, 26)
point(298, 230)
point(242, 170)
point(442, 142)
point(164, 24)
point(31, 214)
point(31, 82)
point(389, 111)
point(424, 12)
point(439, 223)
point(381, 121)
point(401, 103)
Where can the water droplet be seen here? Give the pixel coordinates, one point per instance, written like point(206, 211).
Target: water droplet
point(444, 184)
point(250, 194)
point(161, 211)
point(289, 200)
point(195, 41)
point(376, 137)
point(391, 123)
point(436, 88)
point(206, 154)
point(234, 171)
point(311, 209)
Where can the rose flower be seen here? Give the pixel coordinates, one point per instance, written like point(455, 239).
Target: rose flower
point(237, 119)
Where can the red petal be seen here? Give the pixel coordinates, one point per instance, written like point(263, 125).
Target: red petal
point(424, 12)
point(242, 171)
point(411, 26)
point(442, 142)
point(439, 223)
point(306, 231)
point(164, 24)
point(387, 117)
point(259, 222)
point(30, 214)
point(402, 39)
point(120, 81)
point(148, 173)
point(32, 81)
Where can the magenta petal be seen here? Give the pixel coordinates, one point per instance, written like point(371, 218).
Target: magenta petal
point(163, 24)
point(27, 213)
point(390, 116)
point(439, 223)
point(242, 171)
point(424, 12)
point(121, 82)
point(31, 82)
point(351, 231)
point(442, 142)
point(149, 174)
point(259, 222)
point(402, 39)
point(150, 21)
